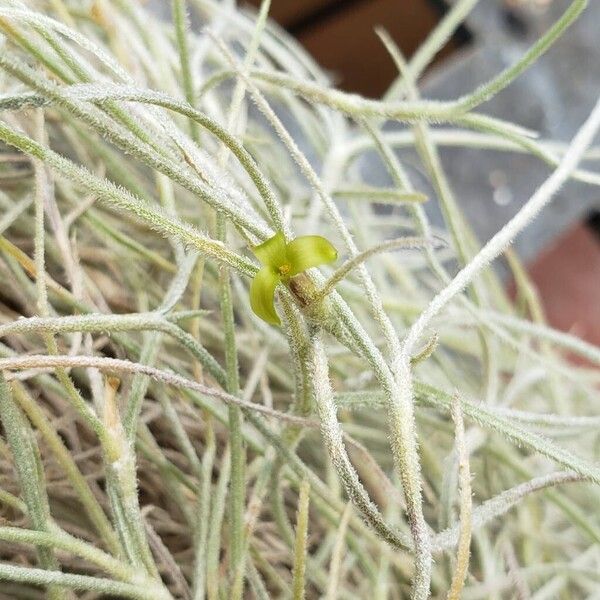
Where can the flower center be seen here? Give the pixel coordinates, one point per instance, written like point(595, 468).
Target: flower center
point(284, 269)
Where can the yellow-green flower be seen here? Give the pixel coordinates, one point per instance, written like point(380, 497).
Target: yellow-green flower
point(280, 261)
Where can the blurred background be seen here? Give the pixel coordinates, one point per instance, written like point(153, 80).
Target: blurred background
point(339, 34)
point(562, 248)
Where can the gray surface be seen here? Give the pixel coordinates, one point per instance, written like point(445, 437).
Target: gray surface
point(554, 97)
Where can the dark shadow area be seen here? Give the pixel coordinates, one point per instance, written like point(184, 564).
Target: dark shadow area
point(593, 222)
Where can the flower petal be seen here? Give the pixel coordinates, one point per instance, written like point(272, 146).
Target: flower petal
point(309, 251)
point(262, 295)
point(271, 253)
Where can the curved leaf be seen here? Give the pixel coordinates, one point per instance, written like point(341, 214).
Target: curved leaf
point(262, 295)
point(271, 253)
point(309, 251)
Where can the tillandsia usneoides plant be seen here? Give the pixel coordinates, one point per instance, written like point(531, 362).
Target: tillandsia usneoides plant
point(231, 368)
